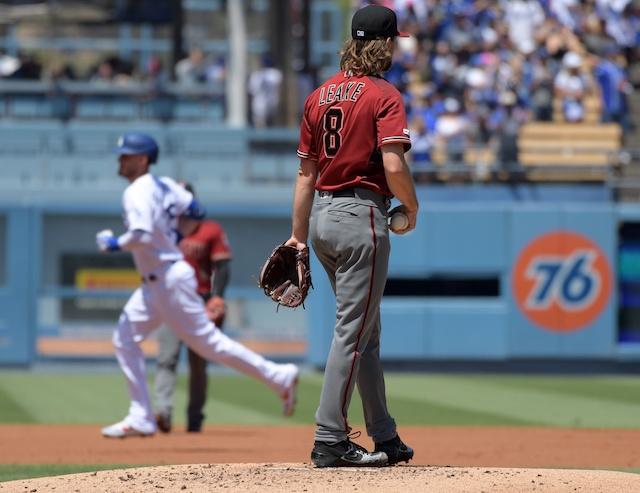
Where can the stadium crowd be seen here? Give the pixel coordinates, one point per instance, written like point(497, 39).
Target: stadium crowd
point(474, 71)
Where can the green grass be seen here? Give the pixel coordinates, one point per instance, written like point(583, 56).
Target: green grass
point(414, 399)
point(576, 401)
point(12, 472)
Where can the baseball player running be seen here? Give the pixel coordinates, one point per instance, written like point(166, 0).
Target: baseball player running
point(206, 249)
point(352, 142)
point(168, 294)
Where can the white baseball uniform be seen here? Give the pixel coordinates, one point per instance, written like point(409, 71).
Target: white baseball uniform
point(168, 295)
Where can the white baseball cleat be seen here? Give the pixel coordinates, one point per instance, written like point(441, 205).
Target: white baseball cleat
point(289, 395)
point(123, 430)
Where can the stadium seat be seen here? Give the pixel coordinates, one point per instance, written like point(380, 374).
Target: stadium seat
point(123, 108)
point(98, 170)
point(569, 151)
point(205, 171)
point(57, 142)
point(96, 138)
point(95, 108)
point(63, 171)
point(203, 140)
point(166, 166)
point(160, 108)
point(32, 137)
point(475, 164)
point(189, 109)
point(27, 107)
point(215, 110)
point(20, 142)
point(265, 169)
point(21, 171)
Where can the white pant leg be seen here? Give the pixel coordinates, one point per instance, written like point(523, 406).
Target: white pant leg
point(214, 345)
point(183, 310)
point(137, 321)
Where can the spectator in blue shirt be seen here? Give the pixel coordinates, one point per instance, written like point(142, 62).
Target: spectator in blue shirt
point(613, 84)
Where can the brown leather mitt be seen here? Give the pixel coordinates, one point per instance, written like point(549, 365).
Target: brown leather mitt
point(286, 276)
point(216, 310)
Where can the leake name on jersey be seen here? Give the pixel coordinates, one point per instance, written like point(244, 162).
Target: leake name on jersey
point(338, 93)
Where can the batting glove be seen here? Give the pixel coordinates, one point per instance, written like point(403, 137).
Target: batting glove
point(106, 241)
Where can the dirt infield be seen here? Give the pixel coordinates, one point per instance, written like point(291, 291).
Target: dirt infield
point(252, 459)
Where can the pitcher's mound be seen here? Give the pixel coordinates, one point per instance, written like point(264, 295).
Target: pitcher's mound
point(305, 478)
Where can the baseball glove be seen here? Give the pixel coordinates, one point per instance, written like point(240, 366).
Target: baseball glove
point(216, 310)
point(286, 276)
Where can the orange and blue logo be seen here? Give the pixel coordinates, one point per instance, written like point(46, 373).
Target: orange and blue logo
point(561, 281)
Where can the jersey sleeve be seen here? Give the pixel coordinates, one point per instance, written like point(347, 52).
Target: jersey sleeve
point(306, 147)
point(138, 214)
point(392, 120)
point(182, 196)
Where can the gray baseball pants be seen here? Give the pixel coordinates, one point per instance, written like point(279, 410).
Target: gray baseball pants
point(169, 346)
point(350, 237)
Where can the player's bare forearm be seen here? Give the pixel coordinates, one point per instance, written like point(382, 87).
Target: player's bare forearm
point(303, 202)
point(400, 181)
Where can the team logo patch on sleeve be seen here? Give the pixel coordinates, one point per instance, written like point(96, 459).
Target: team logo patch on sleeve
point(406, 132)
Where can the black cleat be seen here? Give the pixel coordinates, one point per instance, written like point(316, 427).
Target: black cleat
point(395, 450)
point(163, 420)
point(345, 454)
point(194, 426)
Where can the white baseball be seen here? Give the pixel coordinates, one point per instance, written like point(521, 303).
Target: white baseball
point(399, 221)
point(105, 232)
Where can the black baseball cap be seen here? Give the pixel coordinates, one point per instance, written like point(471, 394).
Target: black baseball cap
point(375, 22)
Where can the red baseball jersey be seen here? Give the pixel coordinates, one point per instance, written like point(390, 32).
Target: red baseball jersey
point(345, 122)
point(202, 248)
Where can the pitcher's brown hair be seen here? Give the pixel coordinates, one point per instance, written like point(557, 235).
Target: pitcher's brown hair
point(365, 57)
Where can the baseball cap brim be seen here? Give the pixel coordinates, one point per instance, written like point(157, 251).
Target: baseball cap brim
point(125, 150)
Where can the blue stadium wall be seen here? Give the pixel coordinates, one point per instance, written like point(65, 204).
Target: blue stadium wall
point(549, 259)
point(546, 260)
point(485, 242)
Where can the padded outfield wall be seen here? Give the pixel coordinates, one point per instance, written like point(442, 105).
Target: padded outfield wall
point(488, 274)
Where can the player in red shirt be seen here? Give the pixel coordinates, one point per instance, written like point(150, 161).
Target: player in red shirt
point(206, 249)
point(352, 143)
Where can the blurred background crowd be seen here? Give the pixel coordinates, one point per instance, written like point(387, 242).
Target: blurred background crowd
point(472, 72)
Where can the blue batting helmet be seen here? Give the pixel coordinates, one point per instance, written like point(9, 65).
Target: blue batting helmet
point(138, 143)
